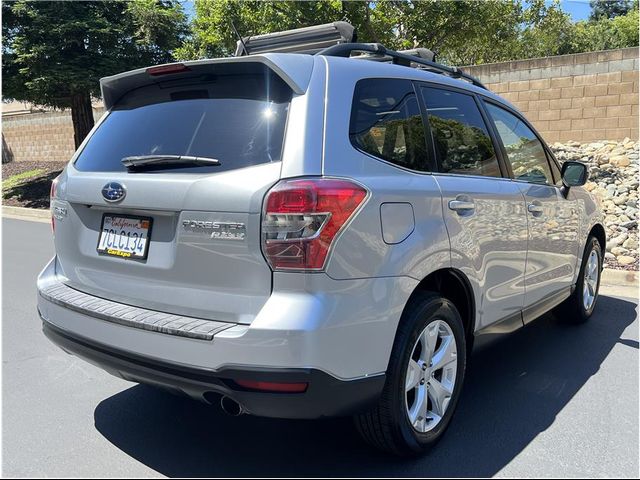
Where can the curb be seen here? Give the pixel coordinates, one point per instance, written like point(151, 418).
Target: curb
point(619, 278)
point(31, 214)
point(610, 277)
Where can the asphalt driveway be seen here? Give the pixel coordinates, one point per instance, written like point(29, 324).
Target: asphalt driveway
point(550, 400)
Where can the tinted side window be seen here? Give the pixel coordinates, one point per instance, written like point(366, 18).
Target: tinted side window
point(525, 152)
point(386, 123)
point(460, 136)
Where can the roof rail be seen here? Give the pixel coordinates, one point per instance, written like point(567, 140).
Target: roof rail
point(300, 40)
point(421, 57)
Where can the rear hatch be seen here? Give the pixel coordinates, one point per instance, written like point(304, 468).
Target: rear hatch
point(180, 235)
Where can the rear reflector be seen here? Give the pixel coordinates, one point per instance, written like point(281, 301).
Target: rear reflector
point(273, 386)
point(52, 195)
point(302, 218)
point(54, 189)
point(167, 69)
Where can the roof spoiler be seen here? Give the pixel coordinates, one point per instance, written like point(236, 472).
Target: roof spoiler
point(300, 40)
point(295, 72)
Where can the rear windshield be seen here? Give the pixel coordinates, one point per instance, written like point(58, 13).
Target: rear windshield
point(237, 118)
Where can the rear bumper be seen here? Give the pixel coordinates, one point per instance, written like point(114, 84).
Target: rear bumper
point(345, 328)
point(334, 335)
point(325, 396)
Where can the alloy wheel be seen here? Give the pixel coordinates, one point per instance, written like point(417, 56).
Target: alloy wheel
point(590, 283)
point(431, 376)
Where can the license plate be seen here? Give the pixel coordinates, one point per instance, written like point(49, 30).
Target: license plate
point(125, 236)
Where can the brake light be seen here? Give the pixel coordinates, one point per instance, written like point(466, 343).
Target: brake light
point(302, 218)
point(273, 386)
point(167, 69)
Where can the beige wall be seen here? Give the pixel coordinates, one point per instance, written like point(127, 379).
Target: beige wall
point(582, 97)
point(39, 135)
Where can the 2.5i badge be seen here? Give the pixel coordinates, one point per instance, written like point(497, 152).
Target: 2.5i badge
point(216, 230)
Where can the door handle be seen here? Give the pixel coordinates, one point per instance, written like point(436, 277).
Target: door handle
point(535, 208)
point(461, 205)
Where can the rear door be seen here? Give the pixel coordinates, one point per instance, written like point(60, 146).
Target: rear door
point(196, 228)
point(484, 212)
point(553, 219)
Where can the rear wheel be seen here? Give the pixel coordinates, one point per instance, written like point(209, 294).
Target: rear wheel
point(580, 305)
point(424, 379)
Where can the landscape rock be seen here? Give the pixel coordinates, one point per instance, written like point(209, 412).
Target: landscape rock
point(617, 251)
point(625, 260)
point(620, 161)
point(614, 177)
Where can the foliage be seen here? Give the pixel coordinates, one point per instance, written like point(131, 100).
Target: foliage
point(460, 32)
point(213, 34)
point(54, 53)
point(609, 8)
point(607, 33)
point(52, 50)
point(399, 24)
point(548, 31)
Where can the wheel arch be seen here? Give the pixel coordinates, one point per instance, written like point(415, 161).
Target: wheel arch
point(454, 286)
point(599, 233)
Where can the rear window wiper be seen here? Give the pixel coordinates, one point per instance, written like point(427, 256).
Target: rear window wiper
point(139, 162)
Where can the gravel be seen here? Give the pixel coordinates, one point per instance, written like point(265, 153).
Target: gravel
point(613, 179)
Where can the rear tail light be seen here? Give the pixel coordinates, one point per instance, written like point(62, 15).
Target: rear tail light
point(302, 218)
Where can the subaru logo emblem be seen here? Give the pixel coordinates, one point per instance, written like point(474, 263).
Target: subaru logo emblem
point(113, 192)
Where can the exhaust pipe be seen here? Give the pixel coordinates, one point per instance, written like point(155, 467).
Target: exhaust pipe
point(231, 407)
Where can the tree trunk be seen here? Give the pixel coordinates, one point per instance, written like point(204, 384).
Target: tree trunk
point(81, 116)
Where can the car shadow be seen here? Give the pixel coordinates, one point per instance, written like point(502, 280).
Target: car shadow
point(515, 388)
point(33, 193)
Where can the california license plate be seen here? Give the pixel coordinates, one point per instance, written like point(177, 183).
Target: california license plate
point(125, 236)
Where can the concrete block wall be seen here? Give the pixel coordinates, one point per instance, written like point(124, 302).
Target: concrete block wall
point(40, 136)
point(581, 97)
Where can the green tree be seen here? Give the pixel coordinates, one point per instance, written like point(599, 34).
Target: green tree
point(460, 32)
point(547, 30)
point(213, 35)
point(54, 53)
point(443, 25)
point(609, 8)
point(607, 33)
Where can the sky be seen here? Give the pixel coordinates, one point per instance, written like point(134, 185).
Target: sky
point(578, 9)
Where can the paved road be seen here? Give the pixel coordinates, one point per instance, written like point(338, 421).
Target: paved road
point(550, 400)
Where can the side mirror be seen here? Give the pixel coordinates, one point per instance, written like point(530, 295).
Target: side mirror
point(574, 174)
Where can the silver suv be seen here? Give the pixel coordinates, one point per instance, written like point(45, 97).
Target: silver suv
point(301, 236)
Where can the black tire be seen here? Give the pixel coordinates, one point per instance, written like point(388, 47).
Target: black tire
point(386, 426)
point(572, 310)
